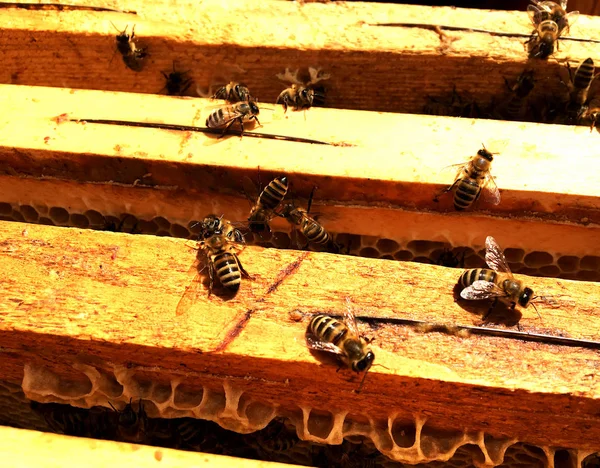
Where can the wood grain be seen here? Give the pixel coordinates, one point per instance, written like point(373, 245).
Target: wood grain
point(372, 67)
point(55, 451)
point(402, 169)
point(76, 295)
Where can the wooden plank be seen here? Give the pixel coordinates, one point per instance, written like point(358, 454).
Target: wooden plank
point(82, 300)
point(371, 67)
point(46, 450)
point(185, 175)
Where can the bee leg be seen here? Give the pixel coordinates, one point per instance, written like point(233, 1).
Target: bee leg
point(243, 270)
point(490, 310)
point(446, 190)
point(228, 126)
point(211, 277)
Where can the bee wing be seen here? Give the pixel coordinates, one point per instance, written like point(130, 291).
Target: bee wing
point(191, 291)
point(494, 256)
point(491, 194)
point(250, 189)
point(350, 318)
point(314, 343)
point(458, 166)
point(536, 13)
point(567, 21)
point(481, 290)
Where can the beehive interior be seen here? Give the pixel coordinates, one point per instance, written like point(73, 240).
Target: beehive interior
point(402, 248)
point(223, 421)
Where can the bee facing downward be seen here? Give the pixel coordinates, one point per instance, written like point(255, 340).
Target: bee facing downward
point(224, 117)
point(177, 82)
point(220, 243)
point(472, 179)
point(579, 85)
point(301, 95)
point(328, 334)
point(495, 283)
point(314, 232)
point(133, 57)
point(550, 20)
point(131, 426)
point(266, 204)
point(233, 92)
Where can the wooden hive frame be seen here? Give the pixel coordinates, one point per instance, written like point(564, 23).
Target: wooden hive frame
point(242, 362)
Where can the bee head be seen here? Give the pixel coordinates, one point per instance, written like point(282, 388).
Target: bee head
point(242, 91)
point(485, 154)
point(253, 108)
point(525, 297)
point(365, 363)
point(128, 417)
point(210, 225)
point(307, 95)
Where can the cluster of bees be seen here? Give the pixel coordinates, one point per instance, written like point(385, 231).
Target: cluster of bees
point(577, 106)
point(276, 442)
point(220, 242)
point(242, 107)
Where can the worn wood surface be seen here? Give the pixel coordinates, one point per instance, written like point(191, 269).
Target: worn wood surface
point(73, 295)
point(44, 450)
point(372, 159)
point(372, 67)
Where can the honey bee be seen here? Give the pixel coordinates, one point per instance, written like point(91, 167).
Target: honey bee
point(233, 92)
point(497, 282)
point(302, 95)
point(276, 438)
point(133, 57)
point(513, 108)
point(266, 204)
point(550, 20)
point(314, 232)
point(177, 82)
point(219, 242)
point(79, 422)
point(224, 117)
point(579, 86)
point(342, 339)
point(131, 426)
point(472, 179)
point(592, 114)
point(449, 259)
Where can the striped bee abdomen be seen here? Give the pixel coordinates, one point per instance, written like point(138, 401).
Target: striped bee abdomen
point(477, 274)
point(584, 74)
point(466, 193)
point(273, 194)
point(228, 271)
point(215, 119)
point(328, 329)
point(314, 232)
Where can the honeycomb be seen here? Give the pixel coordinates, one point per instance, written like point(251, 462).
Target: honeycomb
point(536, 263)
point(225, 421)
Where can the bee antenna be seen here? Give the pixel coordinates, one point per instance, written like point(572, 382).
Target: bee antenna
point(117, 29)
point(114, 409)
point(361, 383)
point(536, 310)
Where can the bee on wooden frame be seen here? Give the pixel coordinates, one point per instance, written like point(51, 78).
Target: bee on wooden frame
point(131, 425)
point(579, 86)
point(224, 117)
point(263, 209)
point(497, 282)
point(233, 92)
point(342, 339)
point(302, 95)
point(311, 229)
point(550, 20)
point(133, 56)
point(473, 178)
point(177, 82)
point(219, 243)
point(448, 258)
